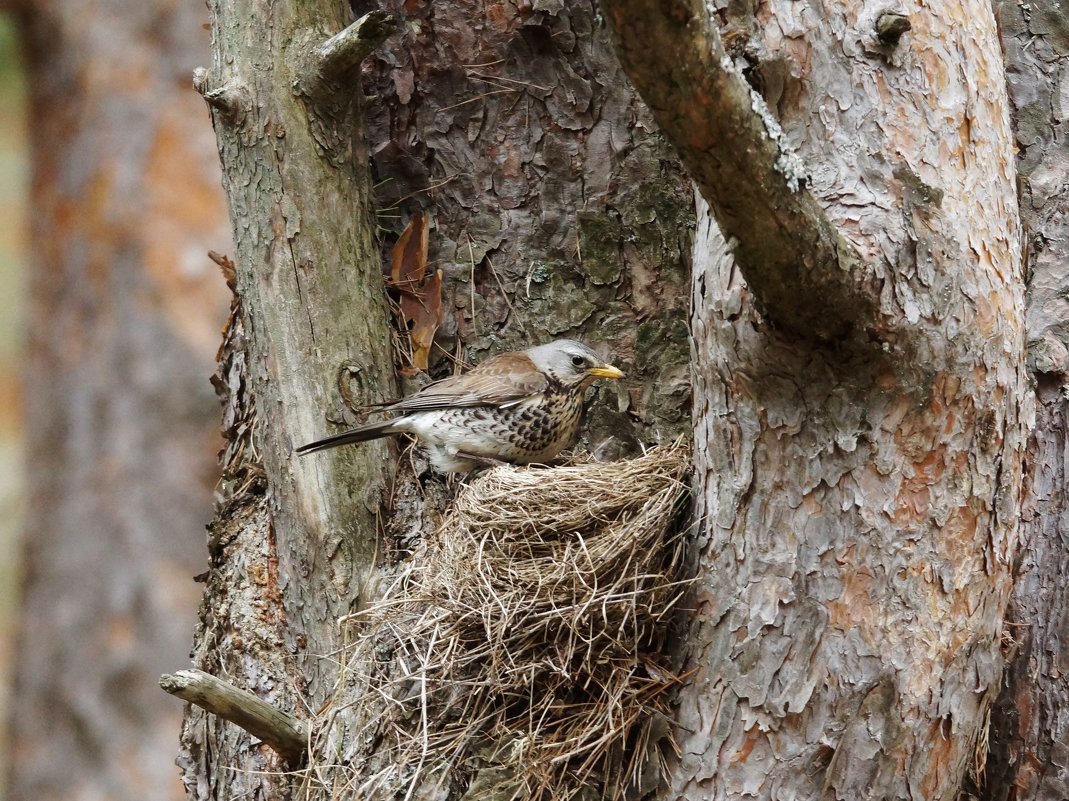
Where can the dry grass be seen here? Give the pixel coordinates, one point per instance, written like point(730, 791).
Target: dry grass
point(519, 651)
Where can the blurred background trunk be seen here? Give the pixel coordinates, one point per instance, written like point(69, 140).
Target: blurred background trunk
point(121, 421)
point(13, 216)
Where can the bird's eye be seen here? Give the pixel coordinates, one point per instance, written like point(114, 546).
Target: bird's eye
point(578, 361)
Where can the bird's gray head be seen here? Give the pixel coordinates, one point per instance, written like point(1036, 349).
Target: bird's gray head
point(571, 362)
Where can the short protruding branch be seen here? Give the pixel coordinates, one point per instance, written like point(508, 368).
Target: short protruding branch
point(231, 99)
point(280, 730)
point(344, 51)
point(806, 276)
point(200, 80)
point(890, 26)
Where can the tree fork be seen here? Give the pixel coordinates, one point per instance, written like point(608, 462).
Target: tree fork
point(809, 279)
point(861, 513)
point(305, 291)
point(343, 52)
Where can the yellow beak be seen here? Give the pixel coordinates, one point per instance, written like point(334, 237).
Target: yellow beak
point(605, 371)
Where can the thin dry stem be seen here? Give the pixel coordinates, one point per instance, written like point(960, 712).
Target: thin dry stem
point(520, 648)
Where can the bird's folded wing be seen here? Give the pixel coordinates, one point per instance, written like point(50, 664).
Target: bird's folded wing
point(499, 381)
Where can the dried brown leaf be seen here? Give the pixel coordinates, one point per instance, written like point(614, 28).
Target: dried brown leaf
point(422, 312)
point(409, 255)
point(419, 310)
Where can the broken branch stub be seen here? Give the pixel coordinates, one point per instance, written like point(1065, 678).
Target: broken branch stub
point(283, 732)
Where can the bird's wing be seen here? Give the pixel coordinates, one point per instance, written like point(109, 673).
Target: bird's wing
point(502, 381)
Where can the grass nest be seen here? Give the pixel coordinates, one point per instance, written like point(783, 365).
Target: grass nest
point(519, 652)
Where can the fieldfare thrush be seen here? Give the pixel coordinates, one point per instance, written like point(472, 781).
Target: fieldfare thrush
point(519, 407)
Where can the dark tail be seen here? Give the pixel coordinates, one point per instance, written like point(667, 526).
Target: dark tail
point(361, 434)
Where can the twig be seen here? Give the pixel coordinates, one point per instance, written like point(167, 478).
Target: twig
point(490, 79)
point(231, 100)
point(423, 717)
point(282, 731)
point(474, 99)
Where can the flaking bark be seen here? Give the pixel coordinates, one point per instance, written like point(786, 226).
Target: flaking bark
point(1030, 721)
point(806, 275)
point(294, 540)
point(859, 506)
point(556, 207)
point(555, 210)
point(862, 511)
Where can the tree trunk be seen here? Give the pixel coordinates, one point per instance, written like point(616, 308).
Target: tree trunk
point(120, 419)
point(860, 492)
point(861, 403)
point(294, 540)
point(555, 211)
point(1030, 721)
point(559, 210)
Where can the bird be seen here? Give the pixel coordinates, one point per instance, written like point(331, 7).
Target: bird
point(520, 407)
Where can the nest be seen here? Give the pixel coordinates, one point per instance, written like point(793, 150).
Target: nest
point(519, 652)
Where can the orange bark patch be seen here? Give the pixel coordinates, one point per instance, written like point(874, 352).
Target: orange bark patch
point(887, 380)
point(959, 533)
point(96, 228)
point(912, 503)
point(854, 605)
point(938, 753)
point(988, 318)
point(748, 744)
point(10, 399)
point(914, 495)
point(951, 420)
point(499, 17)
point(512, 167)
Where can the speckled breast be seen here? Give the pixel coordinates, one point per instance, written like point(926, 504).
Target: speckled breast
point(528, 432)
point(543, 430)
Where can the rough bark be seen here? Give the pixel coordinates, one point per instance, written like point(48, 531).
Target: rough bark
point(860, 504)
point(121, 425)
point(555, 211)
point(1030, 721)
point(806, 275)
point(293, 542)
point(558, 210)
point(861, 507)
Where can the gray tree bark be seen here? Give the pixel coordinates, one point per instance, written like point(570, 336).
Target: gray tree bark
point(862, 498)
point(860, 422)
point(121, 425)
point(556, 211)
point(1030, 720)
point(294, 540)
